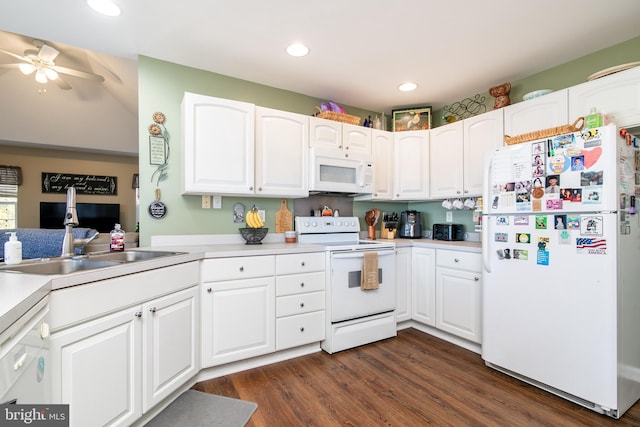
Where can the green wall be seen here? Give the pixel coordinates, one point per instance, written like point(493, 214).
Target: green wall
point(162, 84)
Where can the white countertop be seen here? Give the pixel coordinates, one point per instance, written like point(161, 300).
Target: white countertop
point(19, 292)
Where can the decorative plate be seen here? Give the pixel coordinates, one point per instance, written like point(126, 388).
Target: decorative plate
point(612, 70)
point(536, 93)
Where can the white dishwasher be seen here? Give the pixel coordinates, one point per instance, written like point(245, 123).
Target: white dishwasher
point(24, 352)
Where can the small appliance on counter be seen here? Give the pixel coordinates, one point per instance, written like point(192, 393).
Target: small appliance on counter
point(451, 232)
point(410, 226)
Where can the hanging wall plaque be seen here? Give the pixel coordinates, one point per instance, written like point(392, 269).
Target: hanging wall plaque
point(84, 184)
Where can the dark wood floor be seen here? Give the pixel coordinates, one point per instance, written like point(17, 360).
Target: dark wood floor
point(411, 380)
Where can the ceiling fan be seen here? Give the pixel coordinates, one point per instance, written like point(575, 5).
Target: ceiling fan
point(41, 60)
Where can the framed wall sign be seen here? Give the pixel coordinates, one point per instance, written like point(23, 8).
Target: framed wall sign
point(418, 118)
point(157, 150)
point(54, 182)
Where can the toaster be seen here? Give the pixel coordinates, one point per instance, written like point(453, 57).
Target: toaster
point(448, 232)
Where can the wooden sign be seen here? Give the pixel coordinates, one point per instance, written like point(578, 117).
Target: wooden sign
point(84, 184)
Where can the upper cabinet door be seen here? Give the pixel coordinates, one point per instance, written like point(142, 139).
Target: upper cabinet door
point(382, 148)
point(411, 165)
point(282, 152)
point(481, 134)
point(217, 145)
point(445, 157)
point(356, 139)
point(325, 133)
point(617, 95)
point(545, 112)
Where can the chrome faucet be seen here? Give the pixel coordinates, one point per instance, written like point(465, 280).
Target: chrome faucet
point(70, 221)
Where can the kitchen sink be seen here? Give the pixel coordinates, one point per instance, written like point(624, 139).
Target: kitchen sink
point(83, 263)
point(131, 256)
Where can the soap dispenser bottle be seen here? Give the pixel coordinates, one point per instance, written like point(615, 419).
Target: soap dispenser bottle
point(12, 249)
point(117, 239)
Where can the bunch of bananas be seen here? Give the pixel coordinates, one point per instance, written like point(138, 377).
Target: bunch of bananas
point(253, 218)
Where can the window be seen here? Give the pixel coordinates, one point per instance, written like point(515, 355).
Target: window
point(10, 179)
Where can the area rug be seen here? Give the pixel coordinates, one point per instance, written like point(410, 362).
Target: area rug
point(197, 409)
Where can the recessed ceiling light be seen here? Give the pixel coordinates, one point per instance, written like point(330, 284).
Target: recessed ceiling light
point(297, 49)
point(105, 7)
point(407, 87)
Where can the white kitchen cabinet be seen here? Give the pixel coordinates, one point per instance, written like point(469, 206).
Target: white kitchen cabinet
point(482, 133)
point(459, 294)
point(217, 146)
point(446, 167)
point(96, 369)
point(423, 287)
point(137, 355)
point(382, 149)
point(617, 95)
point(342, 138)
point(300, 299)
point(403, 284)
point(544, 112)
point(411, 165)
point(281, 153)
point(238, 308)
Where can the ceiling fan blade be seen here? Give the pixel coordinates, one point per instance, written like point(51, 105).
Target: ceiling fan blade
point(9, 66)
point(15, 55)
point(48, 53)
point(78, 73)
point(62, 84)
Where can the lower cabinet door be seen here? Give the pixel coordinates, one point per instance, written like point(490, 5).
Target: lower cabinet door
point(238, 320)
point(95, 368)
point(171, 351)
point(458, 303)
point(292, 331)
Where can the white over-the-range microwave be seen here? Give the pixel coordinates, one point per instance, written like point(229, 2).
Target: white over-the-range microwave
point(332, 173)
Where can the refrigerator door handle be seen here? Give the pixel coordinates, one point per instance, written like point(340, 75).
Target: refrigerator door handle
point(486, 262)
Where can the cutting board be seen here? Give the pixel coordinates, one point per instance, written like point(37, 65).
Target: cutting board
point(284, 218)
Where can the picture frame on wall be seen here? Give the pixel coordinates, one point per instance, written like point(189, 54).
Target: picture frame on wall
point(417, 118)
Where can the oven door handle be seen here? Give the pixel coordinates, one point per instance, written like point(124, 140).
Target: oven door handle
point(359, 254)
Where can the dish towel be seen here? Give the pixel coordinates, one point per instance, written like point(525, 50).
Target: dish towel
point(369, 273)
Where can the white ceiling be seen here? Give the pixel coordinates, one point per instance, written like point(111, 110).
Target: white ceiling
point(360, 50)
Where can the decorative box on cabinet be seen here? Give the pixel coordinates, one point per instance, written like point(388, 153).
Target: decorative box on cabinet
point(300, 299)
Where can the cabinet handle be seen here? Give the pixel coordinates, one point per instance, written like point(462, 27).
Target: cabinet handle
point(466, 191)
point(302, 329)
point(209, 290)
point(302, 263)
point(259, 188)
point(476, 278)
point(458, 192)
point(152, 309)
point(456, 260)
point(347, 154)
point(302, 284)
point(251, 188)
point(340, 147)
point(138, 314)
point(241, 268)
point(301, 305)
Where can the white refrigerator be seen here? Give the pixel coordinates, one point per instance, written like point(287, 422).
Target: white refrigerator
point(561, 254)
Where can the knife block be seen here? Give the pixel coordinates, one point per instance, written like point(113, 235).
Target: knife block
point(385, 233)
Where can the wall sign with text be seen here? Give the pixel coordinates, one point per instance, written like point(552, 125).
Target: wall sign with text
point(84, 184)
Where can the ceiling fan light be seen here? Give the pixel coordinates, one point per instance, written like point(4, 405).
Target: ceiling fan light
point(105, 7)
point(41, 77)
point(27, 68)
point(51, 74)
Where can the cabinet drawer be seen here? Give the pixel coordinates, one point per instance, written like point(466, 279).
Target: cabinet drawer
point(237, 268)
point(300, 283)
point(461, 260)
point(300, 263)
point(293, 331)
point(298, 304)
